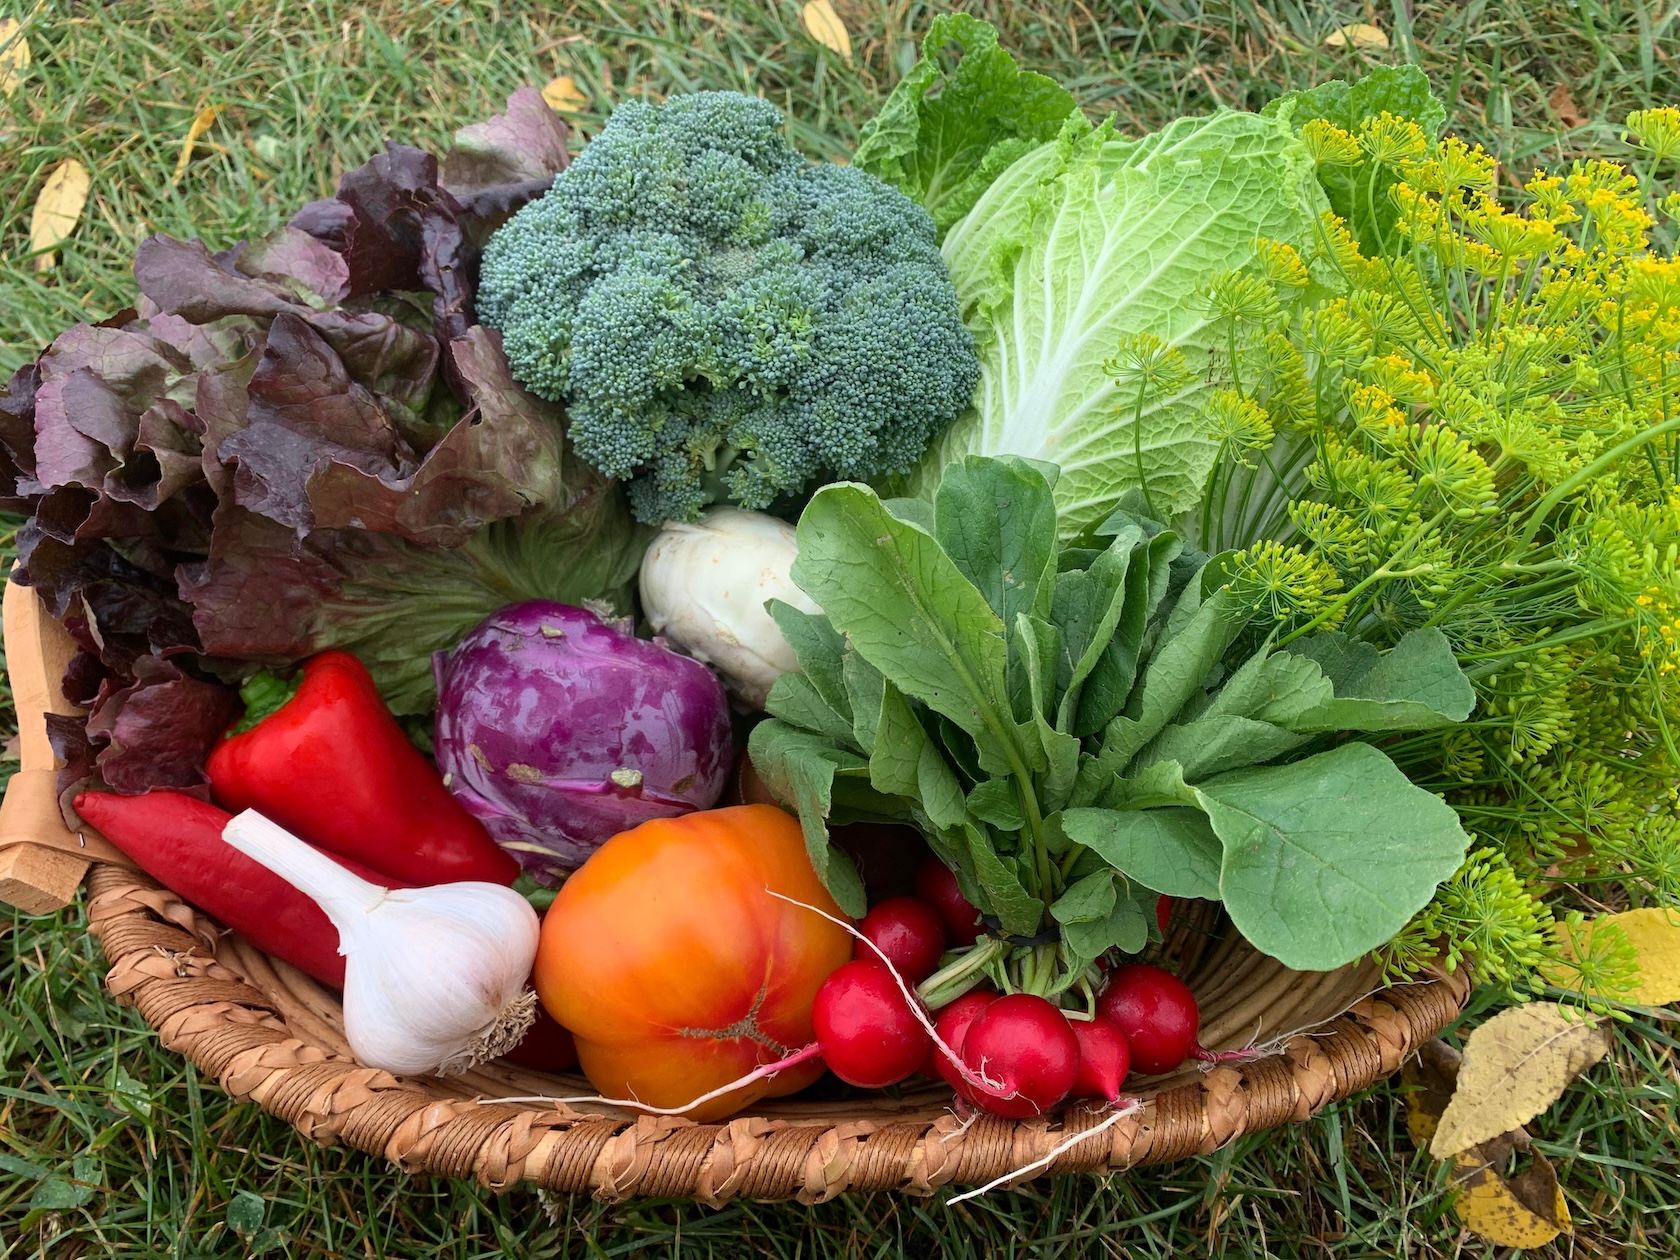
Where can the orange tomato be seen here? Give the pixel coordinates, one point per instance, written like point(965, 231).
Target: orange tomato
point(675, 969)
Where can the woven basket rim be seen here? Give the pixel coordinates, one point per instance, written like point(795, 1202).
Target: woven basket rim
point(242, 1021)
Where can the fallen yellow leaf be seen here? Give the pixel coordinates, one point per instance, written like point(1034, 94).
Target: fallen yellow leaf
point(14, 55)
point(1525, 1210)
point(1654, 934)
point(200, 124)
point(1515, 1066)
point(563, 96)
point(823, 24)
point(1359, 34)
point(57, 210)
point(1429, 1077)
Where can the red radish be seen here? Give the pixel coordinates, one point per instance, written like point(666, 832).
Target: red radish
point(869, 1035)
point(951, 1026)
point(1024, 1044)
point(909, 931)
point(1104, 1059)
point(1156, 1014)
point(935, 884)
point(1163, 912)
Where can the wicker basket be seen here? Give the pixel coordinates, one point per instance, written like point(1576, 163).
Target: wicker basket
point(266, 1032)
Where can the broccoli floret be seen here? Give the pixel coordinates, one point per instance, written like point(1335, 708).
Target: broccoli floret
point(723, 318)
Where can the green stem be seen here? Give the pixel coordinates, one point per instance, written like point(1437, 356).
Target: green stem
point(1137, 451)
point(1582, 476)
point(949, 983)
point(1380, 574)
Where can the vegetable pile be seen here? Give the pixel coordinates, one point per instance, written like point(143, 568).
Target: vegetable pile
point(859, 605)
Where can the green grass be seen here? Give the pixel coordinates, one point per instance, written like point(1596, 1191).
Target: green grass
point(110, 1146)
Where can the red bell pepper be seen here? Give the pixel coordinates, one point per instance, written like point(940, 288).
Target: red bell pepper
point(177, 840)
point(331, 765)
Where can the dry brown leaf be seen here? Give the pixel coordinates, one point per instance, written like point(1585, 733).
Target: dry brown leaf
point(1564, 106)
point(1515, 1066)
point(1358, 34)
point(1429, 1077)
point(823, 24)
point(1524, 1210)
point(14, 55)
point(563, 96)
point(57, 210)
point(200, 124)
point(1654, 934)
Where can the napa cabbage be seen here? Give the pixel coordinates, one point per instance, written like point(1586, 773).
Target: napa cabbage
point(1089, 237)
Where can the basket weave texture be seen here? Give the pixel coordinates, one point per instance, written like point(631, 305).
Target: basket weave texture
point(266, 1032)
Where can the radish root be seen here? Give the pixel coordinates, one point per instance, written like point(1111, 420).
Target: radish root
point(978, 1080)
point(804, 1055)
point(1130, 1107)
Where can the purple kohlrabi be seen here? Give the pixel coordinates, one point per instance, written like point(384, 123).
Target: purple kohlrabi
point(558, 731)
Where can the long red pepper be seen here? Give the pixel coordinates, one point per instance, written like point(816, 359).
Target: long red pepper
point(331, 765)
point(177, 840)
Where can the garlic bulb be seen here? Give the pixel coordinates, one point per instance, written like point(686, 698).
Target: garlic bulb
point(704, 586)
point(434, 978)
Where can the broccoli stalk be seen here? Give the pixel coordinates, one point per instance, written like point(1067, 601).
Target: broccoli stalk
point(723, 318)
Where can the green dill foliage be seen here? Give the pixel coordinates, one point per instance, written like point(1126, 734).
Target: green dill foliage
point(1475, 409)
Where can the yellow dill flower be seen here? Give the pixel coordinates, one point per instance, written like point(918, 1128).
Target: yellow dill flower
point(1465, 165)
point(1238, 424)
point(1446, 466)
point(1401, 378)
point(1610, 199)
point(1278, 262)
point(1282, 583)
point(1564, 295)
point(1154, 366)
point(1671, 205)
point(1450, 166)
point(1276, 373)
point(1551, 199)
point(1520, 436)
point(1622, 224)
point(1331, 337)
point(1598, 175)
point(1420, 216)
point(1373, 412)
point(1338, 247)
point(1328, 144)
point(1656, 280)
point(1385, 317)
point(1332, 532)
point(1391, 141)
point(1512, 236)
point(1657, 131)
point(1376, 491)
point(1241, 298)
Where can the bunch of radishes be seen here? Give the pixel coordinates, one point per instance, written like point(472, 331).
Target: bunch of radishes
point(1015, 1055)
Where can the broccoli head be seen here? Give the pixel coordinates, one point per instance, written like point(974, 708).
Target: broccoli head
point(723, 318)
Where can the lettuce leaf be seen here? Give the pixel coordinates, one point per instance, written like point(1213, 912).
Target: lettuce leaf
point(951, 126)
point(1090, 237)
point(301, 442)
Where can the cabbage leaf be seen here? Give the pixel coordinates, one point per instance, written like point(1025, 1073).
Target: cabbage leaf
point(1090, 237)
point(953, 123)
